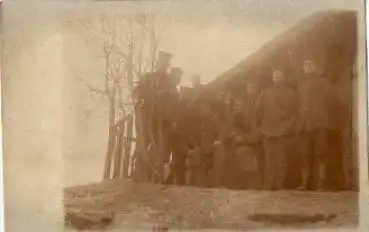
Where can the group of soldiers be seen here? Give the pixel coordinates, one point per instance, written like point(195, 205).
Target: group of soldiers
point(238, 141)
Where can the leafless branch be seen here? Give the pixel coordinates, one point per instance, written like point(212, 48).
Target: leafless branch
point(89, 112)
point(90, 88)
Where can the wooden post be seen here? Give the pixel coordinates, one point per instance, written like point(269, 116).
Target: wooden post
point(111, 143)
point(127, 148)
point(118, 153)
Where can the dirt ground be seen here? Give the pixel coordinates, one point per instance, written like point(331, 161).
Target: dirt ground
point(128, 205)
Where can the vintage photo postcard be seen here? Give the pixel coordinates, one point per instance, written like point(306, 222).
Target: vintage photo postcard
point(185, 115)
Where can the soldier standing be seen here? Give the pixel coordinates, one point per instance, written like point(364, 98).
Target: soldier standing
point(178, 131)
point(155, 88)
point(316, 100)
point(201, 155)
point(207, 137)
point(278, 108)
point(251, 159)
point(230, 166)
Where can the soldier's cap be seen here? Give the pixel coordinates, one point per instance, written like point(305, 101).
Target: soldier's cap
point(278, 71)
point(176, 70)
point(251, 81)
point(164, 55)
point(310, 59)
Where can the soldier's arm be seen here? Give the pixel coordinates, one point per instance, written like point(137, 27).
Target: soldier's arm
point(259, 107)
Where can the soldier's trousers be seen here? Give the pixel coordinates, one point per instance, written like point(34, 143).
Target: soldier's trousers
point(177, 173)
point(177, 148)
point(313, 148)
point(249, 165)
point(194, 162)
point(349, 161)
point(230, 167)
point(179, 168)
point(201, 170)
point(276, 153)
point(219, 158)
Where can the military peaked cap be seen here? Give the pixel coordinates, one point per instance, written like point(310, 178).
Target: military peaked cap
point(176, 70)
point(164, 55)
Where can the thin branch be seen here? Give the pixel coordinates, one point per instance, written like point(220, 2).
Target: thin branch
point(89, 112)
point(84, 26)
point(92, 89)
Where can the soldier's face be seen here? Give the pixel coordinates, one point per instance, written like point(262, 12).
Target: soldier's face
point(308, 67)
point(278, 76)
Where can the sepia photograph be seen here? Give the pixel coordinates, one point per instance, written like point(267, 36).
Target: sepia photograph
point(173, 116)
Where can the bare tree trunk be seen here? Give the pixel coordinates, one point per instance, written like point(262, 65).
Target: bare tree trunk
point(118, 154)
point(122, 161)
point(128, 147)
point(111, 142)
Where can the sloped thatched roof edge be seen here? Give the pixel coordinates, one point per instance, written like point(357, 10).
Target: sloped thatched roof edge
point(286, 37)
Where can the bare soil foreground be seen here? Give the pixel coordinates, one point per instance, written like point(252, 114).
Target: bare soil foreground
point(127, 205)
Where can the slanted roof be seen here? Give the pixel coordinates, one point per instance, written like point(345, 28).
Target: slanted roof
point(328, 37)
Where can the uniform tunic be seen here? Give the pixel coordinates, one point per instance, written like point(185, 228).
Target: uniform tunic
point(317, 101)
point(278, 118)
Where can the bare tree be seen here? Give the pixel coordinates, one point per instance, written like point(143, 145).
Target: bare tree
point(128, 45)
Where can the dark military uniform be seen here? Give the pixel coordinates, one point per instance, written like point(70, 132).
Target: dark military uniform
point(153, 91)
point(177, 139)
point(227, 130)
point(317, 99)
point(208, 135)
point(278, 120)
point(249, 153)
point(201, 157)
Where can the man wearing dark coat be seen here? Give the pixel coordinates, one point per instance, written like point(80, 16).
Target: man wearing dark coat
point(203, 135)
point(278, 111)
point(178, 133)
point(316, 101)
point(253, 136)
point(153, 118)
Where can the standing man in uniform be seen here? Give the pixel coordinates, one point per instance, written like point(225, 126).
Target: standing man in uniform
point(207, 136)
point(178, 133)
point(155, 121)
point(203, 136)
point(278, 111)
point(250, 157)
point(316, 100)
